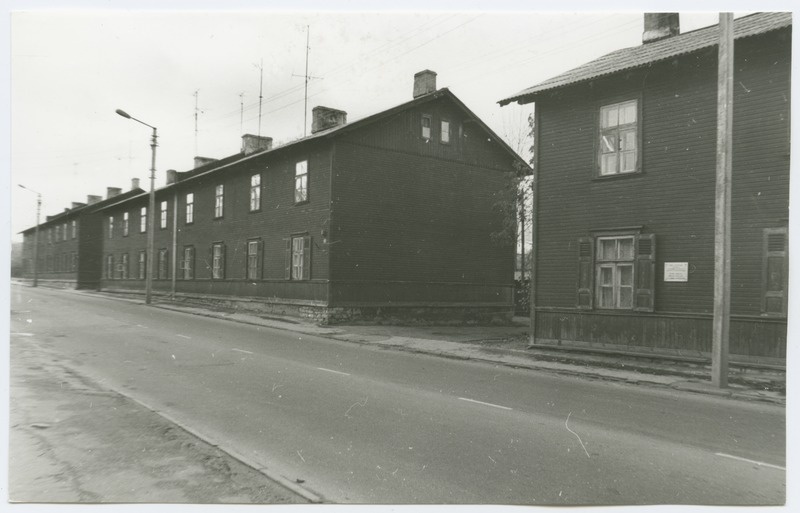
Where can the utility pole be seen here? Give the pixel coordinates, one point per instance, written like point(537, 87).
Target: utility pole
point(722, 207)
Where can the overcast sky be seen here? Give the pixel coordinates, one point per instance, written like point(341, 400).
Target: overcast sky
point(70, 70)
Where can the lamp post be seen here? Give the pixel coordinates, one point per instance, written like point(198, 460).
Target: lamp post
point(35, 236)
point(148, 287)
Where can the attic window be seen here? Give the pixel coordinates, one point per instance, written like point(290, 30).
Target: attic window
point(426, 127)
point(445, 132)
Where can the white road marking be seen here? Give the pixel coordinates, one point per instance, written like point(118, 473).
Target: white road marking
point(23, 334)
point(140, 326)
point(334, 371)
point(182, 336)
point(760, 463)
point(241, 351)
point(485, 404)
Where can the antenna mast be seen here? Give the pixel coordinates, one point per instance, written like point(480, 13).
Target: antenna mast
point(196, 92)
point(260, 94)
point(241, 113)
point(305, 96)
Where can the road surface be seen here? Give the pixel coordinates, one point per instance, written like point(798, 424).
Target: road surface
point(354, 424)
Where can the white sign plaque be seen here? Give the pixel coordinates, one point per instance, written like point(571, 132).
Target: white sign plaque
point(676, 271)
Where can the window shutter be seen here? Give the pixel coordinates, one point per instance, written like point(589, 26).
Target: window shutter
point(210, 262)
point(288, 261)
point(223, 258)
point(307, 258)
point(260, 260)
point(773, 300)
point(585, 273)
point(645, 279)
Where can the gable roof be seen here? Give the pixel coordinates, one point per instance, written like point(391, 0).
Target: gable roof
point(89, 208)
point(648, 53)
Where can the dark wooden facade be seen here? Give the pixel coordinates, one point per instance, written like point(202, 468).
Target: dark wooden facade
point(669, 200)
point(395, 224)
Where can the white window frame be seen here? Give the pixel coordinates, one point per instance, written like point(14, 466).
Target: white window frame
point(189, 208)
point(110, 227)
point(143, 220)
point(217, 261)
point(297, 258)
point(164, 207)
point(142, 264)
point(616, 268)
point(444, 131)
point(255, 192)
point(219, 201)
point(252, 259)
point(74, 229)
point(618, 138)
point(125, 224)
point(301, 181)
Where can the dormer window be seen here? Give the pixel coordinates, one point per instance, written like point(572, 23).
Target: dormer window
point(426, 126)
point(444, 132)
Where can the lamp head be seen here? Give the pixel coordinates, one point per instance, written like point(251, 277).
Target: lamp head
point(123, 113)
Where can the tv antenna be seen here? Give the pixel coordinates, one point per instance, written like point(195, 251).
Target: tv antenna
point(260, 92)
point(241, 113)
point(306, 77)
point(196, 112)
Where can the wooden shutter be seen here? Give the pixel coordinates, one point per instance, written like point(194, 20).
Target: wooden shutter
point(307, 257)
point(585, 273)
point(645, 273)
point(288, 261)
point(773, 299)
point(260, 260)
point(222, 259)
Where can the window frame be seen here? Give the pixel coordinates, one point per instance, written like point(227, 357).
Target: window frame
point(423, 128)
point(298, 260)
point(74, 229)
point(442, 131)
point(253, 260)
point(163, 216)
point(187, 263)
point(125, 224)
point(635, 126)
point(768, 252)
point(142, 263)
point(219, 201)
point(143, 220)
point(616, 265)
point(217, 261)
point(110, 227)
point(255, 193)
point(109, 266)
point(123, 263)
point(189, 208)
point(301, 178)
point(163, 264)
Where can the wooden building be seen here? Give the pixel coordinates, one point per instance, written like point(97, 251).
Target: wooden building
point(70, 243)
point(625, 172)
point(386, 217)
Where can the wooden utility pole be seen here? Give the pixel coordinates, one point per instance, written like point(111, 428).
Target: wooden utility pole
point(722, 210)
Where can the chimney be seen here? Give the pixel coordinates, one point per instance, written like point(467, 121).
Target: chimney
point(172, 176)
point(134, 183)
point(424, 83)
point(660, 25)
point(91, 199)
point(202, 161)
point(253, 143)
point(76, 204)
point(323, 118)
point(112, 191)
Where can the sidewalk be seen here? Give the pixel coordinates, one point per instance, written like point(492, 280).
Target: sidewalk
point(508, 346)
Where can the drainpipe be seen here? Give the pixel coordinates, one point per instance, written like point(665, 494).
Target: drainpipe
point(174, 244)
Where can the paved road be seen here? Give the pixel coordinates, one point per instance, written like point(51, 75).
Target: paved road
point(356, 424)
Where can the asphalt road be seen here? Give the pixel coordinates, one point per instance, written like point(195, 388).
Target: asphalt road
point(355, 424)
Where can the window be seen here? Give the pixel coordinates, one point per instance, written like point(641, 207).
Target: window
point(253, 259)
point(142, 264)
point(163, 267)
point(188, 263)
point(619, 137)
point(58, 230)
point(218, 261)
point(64, 232)
point(110, 267)
point(298, 258)
point(74, 261)
point(110, 227)
point(255, 193)
point(125, 224)
point(123, 267)
point(143, 220)
point(74, 229)
point(617, 272)
point(775, 273)
point(301, 182)
point(163, 222)
point(426, 126)
point(218, 200)
point(445, 132)
point(190, 208)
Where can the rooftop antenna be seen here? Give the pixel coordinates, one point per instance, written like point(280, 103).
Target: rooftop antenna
point(260, 93)
point(241, 113)
point(196, 94)
point(306, 77)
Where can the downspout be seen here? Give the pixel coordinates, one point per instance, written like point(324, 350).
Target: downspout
point(174, 243)
point(534, 229)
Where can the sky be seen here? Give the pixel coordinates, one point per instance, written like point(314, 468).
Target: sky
point(196, 76)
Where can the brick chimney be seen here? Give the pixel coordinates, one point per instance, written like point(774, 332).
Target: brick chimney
point(112, 191)
point(660, 25)
point(134, 183)
point(92, 199)
point(76, 204)
point(254, 143)
point(323, 118)
point(172, 176)
point(424, 83)
point(202, 161)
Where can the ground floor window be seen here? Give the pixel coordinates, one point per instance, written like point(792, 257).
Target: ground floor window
point(616, 272)
point(142, 264)
point(775, 271)
point(298, 258)
point(218, 261)
point(253, 259)
point(187, 265)
point(163, 267)
point(110, 267)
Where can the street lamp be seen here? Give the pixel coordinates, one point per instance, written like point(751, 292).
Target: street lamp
point(148, 287)
point(36, 236)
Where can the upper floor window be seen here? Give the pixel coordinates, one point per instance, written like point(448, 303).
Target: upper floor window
point(143, 220)
point(74, 229)
point(163, 215)
point(58, 231)
point(125, 224)
point(110, 227)
point(255, 192)
point(445, 132)
point(219, 196)
point(190, 208)
point(301, 182)
point(64, 232)
point(619, 136)
point(426, 126)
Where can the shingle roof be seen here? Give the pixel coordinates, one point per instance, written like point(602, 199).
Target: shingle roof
point(638, 56)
